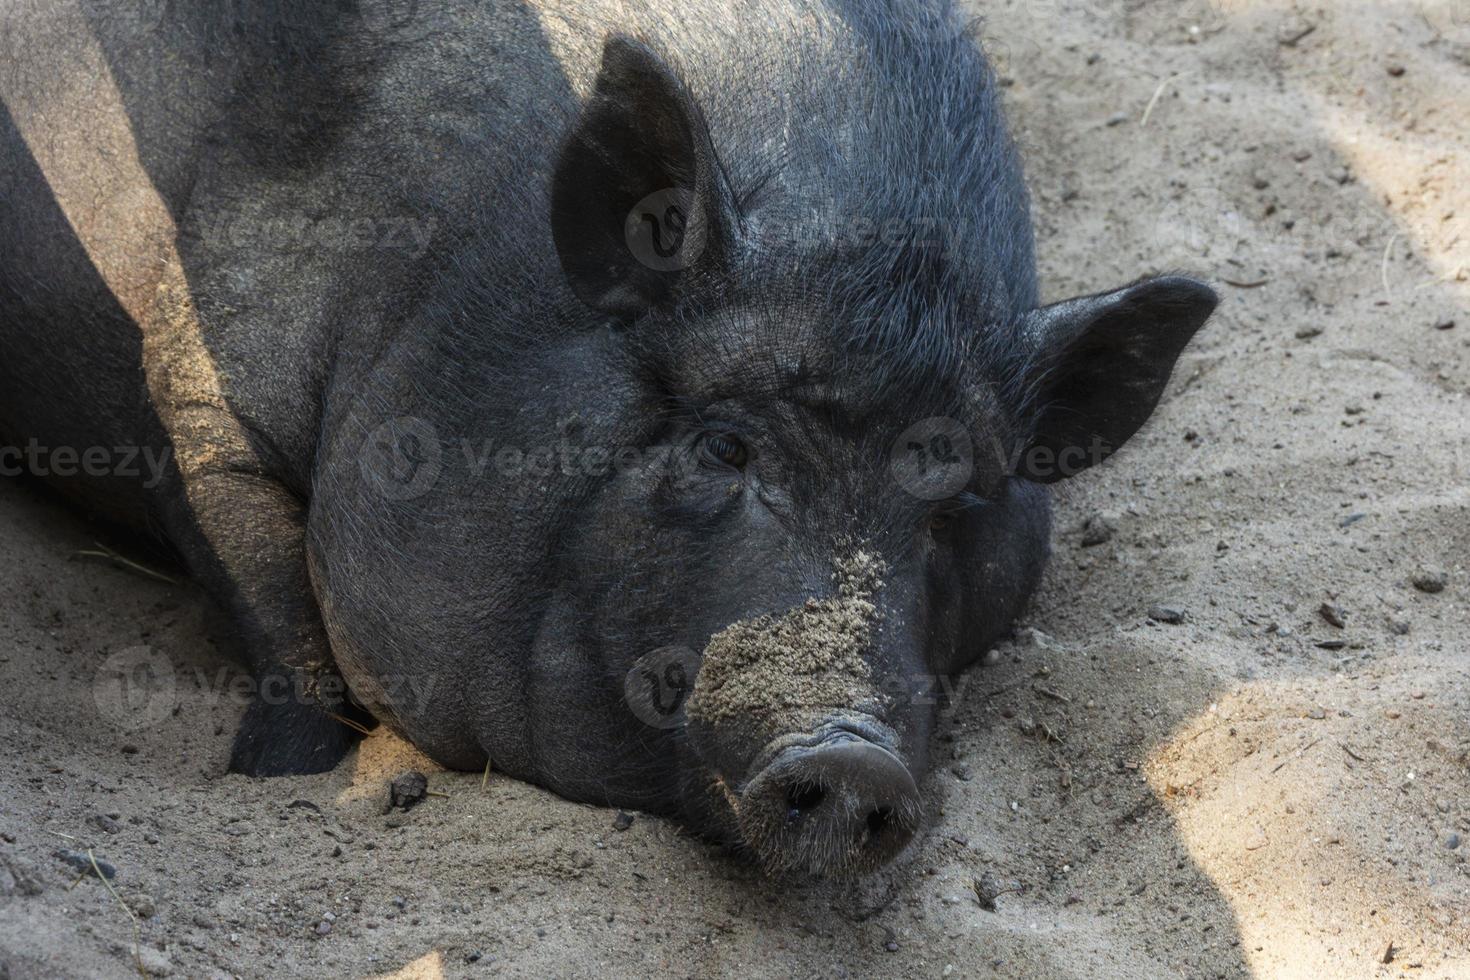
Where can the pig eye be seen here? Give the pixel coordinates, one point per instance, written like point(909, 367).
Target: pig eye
point(723, 448)
point(940, 521)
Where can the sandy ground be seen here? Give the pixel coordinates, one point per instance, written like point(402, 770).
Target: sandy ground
point(1251, 791)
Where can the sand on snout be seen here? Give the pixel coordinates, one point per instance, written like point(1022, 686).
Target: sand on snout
point(783, 673)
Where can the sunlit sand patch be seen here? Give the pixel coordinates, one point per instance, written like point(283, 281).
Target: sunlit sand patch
point(1416, 174)
point(1420, 179)
point(381, 756)
point(1299, 814)
point(427, 967)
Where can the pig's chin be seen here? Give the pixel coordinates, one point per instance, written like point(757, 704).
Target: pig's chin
point(839, 807)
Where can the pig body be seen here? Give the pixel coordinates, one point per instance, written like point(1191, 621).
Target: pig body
point(509, 361)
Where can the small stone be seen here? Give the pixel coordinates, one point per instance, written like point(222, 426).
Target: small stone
point(1099, 529)
point(1167, 612)
point(142, 905)
point(1398, 627)
point(473, 957)
point(1027, 726)
point(81, 862)
point(622, 821)
point(1431, 580)
point(128, 748)
point(1332, 614)
point(1308, 332)
point(1445, 324)
point(1117, 119)
point(406, 790)
point(1452, 841)
point(1316, 714)
point(1294, 30)
point(961, 772)
point(105, 823)
point(1396, 70)
point(987, 889)
point(323, 928)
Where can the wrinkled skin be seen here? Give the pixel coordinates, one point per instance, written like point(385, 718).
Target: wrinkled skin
point(499, 441)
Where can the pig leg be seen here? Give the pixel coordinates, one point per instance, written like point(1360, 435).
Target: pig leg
point(242, 532)
point(243, 537)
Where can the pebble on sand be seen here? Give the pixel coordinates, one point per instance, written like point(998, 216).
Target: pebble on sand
point(406, 790)
point(1167, 612)
point(83, 863)
point(1431, 580)
point(1099, 529)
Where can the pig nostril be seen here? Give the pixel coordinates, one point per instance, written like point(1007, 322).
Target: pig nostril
point(803, 799)
point(878, 821)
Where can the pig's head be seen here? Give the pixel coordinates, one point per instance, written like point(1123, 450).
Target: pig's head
point(858, 434)
point(824, 348)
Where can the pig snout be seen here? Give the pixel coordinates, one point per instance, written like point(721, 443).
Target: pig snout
point(842, 805)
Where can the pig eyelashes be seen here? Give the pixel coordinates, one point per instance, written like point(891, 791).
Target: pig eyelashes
point(724, 449)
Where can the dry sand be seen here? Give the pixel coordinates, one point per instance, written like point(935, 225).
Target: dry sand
point(1251, 791)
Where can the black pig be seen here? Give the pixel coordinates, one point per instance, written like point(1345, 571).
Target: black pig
point(655, 402)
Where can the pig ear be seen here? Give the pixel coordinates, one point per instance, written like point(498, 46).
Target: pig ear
point(1100, 365)
point(638, 202)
